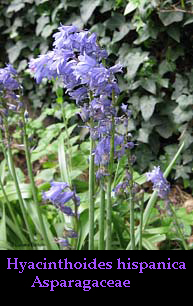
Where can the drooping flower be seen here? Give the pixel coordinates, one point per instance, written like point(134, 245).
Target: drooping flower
point(59, 194)
point(41, 67)
point(102, 150)
point(160, 184)
point(7, 78)
point(121, 188)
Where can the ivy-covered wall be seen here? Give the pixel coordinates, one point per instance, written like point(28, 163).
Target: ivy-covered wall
point(153, 41)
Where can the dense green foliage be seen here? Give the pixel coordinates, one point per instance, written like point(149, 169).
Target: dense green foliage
point(155, 47)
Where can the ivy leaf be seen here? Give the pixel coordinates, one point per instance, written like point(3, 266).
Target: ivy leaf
point(115, 21)
point(143, 135)
point(168, 18)
point(123, 30)
point(130, 8)
point(181, 116)
point(184, 101)
point(41, 22)
point(149, 85)
point(174, 32)
point(38, 2)
point(165, 130)
point(15, 6)
point(87, 8)
point(48, 29)
point(132, 59)
point(182, 171)
point(147, 105)
point(14, 51)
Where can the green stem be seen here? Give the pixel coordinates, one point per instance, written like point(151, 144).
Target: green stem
point(102, 216)
point(109, 184)
point(91, 186)
point(33, 186)
point(131, 202)
point(178, 227)
point(12, 168)
point(116, 174)
point(69, 168)
point(182, 4)
point(141, 222)
point(91, 192)
point(132, 223)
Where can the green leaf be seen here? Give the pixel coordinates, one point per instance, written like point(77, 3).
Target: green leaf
point(165, 129)
point(149, 85)
point(147, 106)
point(87, 8)
point(185, 101)
point(181, 116)
point(143, 135)
point(157, 230)
point(63, 162)
point(48, 30)
point(84, 228)
point(151, 242)
point(41, 22)
point(130, 8)
point(132, 59)
point(123, 31)
point(3, 236)
point(15, 50)
point(182, 171)
point(34, 215)
point(188, 20)
point(174, 32)
point(38, 2)
point(15, 6)
point(168, 18)
point(46, 174)
point(12, 194)
point(115, 21)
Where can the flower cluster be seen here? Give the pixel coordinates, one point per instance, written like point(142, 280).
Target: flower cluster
point(160, 184)
point(59, 194)
point(9, 91)
point(78, 60)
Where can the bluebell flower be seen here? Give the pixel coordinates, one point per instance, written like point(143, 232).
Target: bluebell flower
point(125, 109)
point(55, 191)
point(59, 60)
point(79, 94)
point(102, 150)
point(41, 67)
point(101, 172)
point(66, 210)
point(62, 38)
point(160, 184)
point(85, 113)
point(59, 194)
point(63, 242)
point(7, 78)
point(101, 108)
point(70, 38)
point(70, 233)
point(121, 188)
